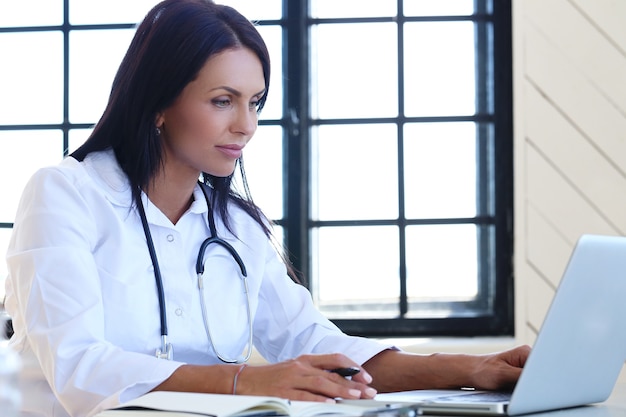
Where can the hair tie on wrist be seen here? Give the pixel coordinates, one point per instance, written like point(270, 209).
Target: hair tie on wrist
point(241, 368)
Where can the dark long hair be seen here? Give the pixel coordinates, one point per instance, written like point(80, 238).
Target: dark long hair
point(169, 48)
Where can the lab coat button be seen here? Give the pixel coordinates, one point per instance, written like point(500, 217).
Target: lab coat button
point(170, 238)
point(179, 312)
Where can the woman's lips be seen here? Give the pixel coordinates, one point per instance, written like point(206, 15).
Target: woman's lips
point(232, 151)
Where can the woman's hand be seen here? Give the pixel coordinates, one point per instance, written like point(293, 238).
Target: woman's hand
point(306, 378)
point(499, 370)
point(401, 371)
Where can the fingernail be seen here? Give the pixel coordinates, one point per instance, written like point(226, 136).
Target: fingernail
point(368, 377)
point(355, 393)
point(370, 392)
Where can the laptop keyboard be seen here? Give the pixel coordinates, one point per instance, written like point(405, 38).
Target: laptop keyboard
point(491, 396)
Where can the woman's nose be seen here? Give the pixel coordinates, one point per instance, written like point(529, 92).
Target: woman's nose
point(246, 121)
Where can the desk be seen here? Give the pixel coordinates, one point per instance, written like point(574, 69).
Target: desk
point(615, 406)
point(618, 397)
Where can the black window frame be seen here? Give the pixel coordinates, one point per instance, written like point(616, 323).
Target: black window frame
point(496, 111)
point(296, 124)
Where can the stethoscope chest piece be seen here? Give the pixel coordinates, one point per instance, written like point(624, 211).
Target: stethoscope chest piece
point(166, 351)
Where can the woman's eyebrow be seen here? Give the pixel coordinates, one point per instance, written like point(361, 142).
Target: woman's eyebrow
point(236, 92)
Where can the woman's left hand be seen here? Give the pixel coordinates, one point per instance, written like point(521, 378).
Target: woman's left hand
point(394, 370)
point(499, 370)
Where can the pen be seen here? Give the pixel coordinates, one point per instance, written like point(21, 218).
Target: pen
point(346, 372)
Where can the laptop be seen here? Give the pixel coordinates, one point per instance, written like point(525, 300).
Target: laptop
point(579, 351)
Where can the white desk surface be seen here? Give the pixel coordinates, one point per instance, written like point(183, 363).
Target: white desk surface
point(615, 406)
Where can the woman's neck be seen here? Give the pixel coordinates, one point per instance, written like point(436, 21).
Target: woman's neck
point(172, 197)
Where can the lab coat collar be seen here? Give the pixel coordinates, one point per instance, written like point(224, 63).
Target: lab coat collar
point(104, 169)
point(102, 166)
point(199, 205)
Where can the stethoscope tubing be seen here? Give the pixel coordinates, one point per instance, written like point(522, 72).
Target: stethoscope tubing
point(214, 238)
point(166, 350)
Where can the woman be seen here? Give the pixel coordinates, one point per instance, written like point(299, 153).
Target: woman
point(111, 272)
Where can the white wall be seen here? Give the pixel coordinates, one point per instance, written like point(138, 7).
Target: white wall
point(569, 141)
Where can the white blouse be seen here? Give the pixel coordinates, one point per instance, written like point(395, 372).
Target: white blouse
point(82, 294)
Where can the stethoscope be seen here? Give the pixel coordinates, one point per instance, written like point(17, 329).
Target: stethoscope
point(166, 350)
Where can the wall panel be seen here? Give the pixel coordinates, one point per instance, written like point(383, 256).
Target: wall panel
point(570, 139)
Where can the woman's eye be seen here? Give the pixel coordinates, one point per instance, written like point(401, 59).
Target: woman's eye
point(255, 104)
point(221, 102)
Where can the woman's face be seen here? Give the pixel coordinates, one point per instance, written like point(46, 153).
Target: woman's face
point(215, 116)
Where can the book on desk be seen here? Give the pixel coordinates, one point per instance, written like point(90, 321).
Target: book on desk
point(186, 404)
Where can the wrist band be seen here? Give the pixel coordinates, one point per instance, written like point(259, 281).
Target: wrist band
point(241, 368)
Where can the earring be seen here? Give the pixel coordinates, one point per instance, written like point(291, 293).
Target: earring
point(157, 131)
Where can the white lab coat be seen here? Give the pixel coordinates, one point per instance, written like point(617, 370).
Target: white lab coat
point(82, 294)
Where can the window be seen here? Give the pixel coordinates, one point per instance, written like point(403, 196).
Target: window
point(384, 152)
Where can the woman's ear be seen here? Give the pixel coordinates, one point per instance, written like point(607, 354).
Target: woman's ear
point(160, 119)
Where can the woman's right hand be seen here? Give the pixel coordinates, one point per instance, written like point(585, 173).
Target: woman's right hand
point(306, 378)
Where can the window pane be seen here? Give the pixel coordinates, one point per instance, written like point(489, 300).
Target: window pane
point(77, 137)
point(278, 238)
point(352, 8)
point(438, 8)
point(263, 161)
point(354, 274)
point(257, 10)
point(439, 69)
point(124, 11)
point(33, 149)
point(440, 170)
point(95, 56)
point(272, 35)
point(441, 262)
point(109, 11)
point(354, 70)
point(354, 172)
point(31, 87)
point(31, 13)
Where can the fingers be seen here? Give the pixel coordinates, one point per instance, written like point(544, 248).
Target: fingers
point(335, 362)
point(363, 377)
point(499, 370)
point(513, 361)
point(521, 353)
point(329, 368)
point(336, 386)
point(515, 357)
point(306, 378)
